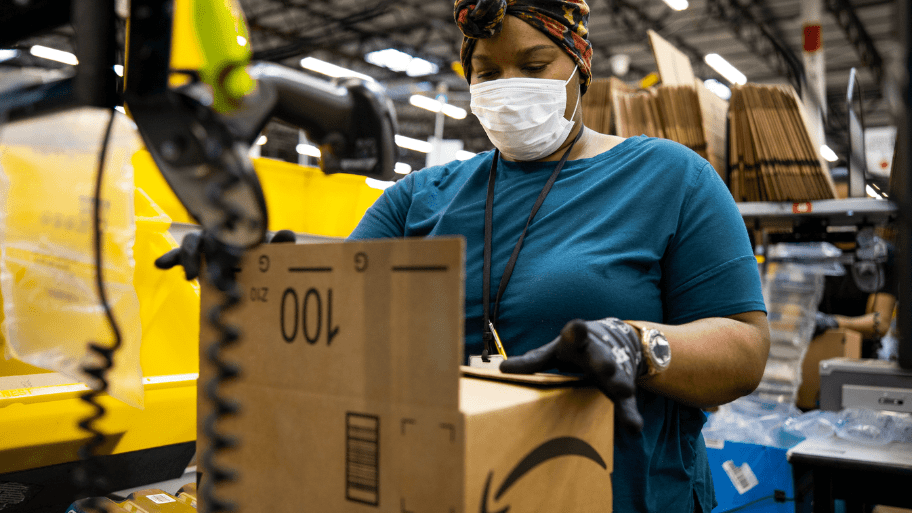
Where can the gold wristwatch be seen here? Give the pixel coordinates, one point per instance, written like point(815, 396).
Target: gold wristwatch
point(656, 350)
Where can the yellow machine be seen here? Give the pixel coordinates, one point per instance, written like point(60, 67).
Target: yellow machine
point(174, 176)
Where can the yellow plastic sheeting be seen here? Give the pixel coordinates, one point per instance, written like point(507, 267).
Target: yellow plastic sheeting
point(39, 422)
point(168, 303)
point(48, 276)
point(301, 199)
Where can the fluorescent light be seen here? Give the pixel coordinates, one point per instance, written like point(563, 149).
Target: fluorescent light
point(435, 106)
point(331, 69)
point(54, 55)
point(721, 90)
point(262, 140)
point(464, 155)
point(6, 55)
point(118, 69)
point(309, 150)
point(678, 5)
point(400, 61)
point(120, 109)
point(725, 69)
point(454, 111)
point(402, 168)
point(872, 193)
point(413, 144)
point(378, 184)
point(828, 154)
point(425, 103)
point(242, 40)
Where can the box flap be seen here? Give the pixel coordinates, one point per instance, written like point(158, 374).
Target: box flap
point(674, 66)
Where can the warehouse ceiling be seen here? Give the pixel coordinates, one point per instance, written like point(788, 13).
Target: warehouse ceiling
point(761, 38)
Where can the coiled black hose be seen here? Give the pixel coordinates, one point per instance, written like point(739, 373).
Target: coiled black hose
point(221, 262)
point(89, 477)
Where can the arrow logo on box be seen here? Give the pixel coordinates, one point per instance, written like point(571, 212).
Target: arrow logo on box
point(562, 446)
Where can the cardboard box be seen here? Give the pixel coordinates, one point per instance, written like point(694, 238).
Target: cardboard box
point(830, 344)
point(352, 397)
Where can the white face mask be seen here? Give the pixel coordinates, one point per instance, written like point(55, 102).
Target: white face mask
point(523, 117)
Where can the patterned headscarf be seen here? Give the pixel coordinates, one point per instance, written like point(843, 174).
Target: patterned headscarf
point(564, 21)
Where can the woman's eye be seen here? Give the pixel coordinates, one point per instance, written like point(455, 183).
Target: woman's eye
point(535, 68)
point(485, 74)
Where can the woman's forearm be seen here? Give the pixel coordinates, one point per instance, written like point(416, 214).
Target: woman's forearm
point(714, 360)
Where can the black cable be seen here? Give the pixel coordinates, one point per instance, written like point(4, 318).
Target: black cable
point(221, 262)
point(95, 485)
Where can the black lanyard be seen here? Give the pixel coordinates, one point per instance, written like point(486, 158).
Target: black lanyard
point(489, 318)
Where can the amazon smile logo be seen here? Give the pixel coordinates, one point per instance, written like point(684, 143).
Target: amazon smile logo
point(563, 446)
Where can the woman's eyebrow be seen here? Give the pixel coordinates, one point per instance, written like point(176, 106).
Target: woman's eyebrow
point(524, 53)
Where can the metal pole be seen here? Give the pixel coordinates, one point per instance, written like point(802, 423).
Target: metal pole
point(902, 166)
point(95, 81)
point(814, 94)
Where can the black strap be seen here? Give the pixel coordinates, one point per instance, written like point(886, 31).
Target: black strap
point(488, 235)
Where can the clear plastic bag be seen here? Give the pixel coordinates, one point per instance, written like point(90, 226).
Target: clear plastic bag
point(751, 419)
point(803, 251)
point(813, 424)
point(47, 268)
point(865, 426)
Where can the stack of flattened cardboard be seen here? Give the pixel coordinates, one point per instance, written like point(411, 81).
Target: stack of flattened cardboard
point(771, 157)
point(597, 105)
point(669, 112)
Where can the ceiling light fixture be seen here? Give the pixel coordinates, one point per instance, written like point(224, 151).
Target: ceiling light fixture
point(54, 55)
point(309, 150)
point(724, 68)
point(262, 140)
point(435, 106)
point(402, 168)
point(118, 69)
point(721, 90)
point(6, 54)
point(678, 5)
point(331, 69)
point(413, 144)
point(378, 184)
point(828, 154)
point(402, 62)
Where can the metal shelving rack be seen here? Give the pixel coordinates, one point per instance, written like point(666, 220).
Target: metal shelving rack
point(840, 212)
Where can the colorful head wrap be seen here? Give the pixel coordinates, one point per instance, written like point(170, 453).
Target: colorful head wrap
point(564, 21)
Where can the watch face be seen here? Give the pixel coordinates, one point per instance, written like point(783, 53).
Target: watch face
point(660, 351)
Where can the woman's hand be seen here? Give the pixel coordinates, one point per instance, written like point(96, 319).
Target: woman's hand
point(608, 352)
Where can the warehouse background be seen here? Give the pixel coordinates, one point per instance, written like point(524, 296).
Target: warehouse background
point(761, 38)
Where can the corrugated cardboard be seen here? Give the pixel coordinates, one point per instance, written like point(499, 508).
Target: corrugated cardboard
point(830, 344)
point(352, 398)
point(674, 65)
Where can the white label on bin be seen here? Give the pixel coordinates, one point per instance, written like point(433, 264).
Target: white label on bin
point(742, 477)
point(160, 498)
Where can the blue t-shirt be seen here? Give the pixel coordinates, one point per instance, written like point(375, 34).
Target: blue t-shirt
point(645, 231)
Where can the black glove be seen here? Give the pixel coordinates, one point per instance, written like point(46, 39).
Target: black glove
point(189, 254)
point(608, 352)
point(824, 322)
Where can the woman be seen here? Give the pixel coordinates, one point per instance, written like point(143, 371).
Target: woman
point(640, 229)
